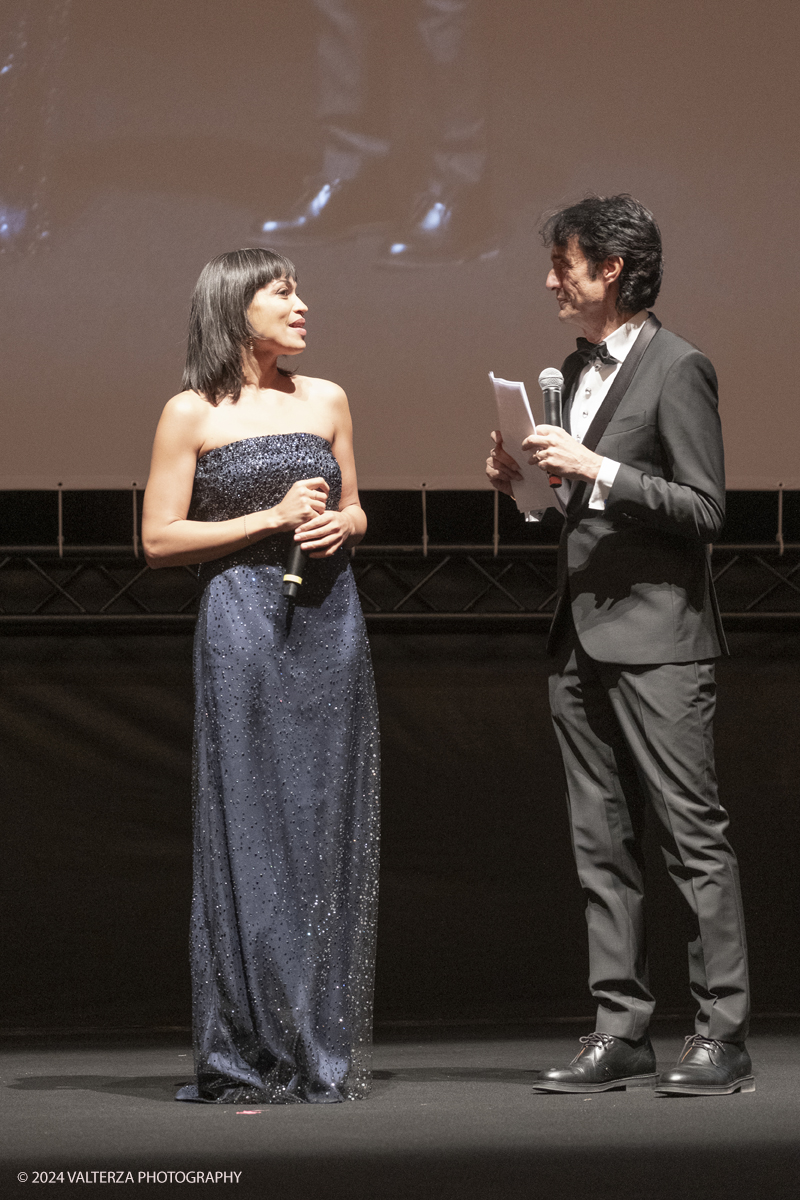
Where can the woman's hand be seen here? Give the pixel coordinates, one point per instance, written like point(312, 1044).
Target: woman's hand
point(304, 500)
point(326, 533)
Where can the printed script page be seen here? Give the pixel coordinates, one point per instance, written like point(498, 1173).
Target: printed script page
point(532, 493)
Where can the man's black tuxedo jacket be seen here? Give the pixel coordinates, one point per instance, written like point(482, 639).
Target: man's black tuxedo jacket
point(637, 575)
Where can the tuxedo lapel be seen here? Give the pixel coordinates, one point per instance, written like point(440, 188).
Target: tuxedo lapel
point(611, 403)
point(572, 369)
point(622, 381)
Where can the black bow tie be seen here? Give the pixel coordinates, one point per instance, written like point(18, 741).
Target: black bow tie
point(596, 353)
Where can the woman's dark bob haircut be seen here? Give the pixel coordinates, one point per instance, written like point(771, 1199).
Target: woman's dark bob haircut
point(606, 226)
point(218, 324)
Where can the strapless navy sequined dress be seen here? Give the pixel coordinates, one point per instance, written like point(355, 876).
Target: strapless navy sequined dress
point(285, 803)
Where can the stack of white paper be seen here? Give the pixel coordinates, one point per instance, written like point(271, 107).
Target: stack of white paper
point(532, 493)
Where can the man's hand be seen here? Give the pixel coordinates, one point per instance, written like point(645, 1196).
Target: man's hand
point(557, 453)
point(500, 467)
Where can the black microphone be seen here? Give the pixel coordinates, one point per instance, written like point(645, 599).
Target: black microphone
point(551, 382)
point(295, 566)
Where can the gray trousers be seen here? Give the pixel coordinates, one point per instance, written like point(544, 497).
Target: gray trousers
point(634, 738)
point(438, 47)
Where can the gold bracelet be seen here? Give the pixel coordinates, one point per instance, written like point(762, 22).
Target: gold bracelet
point(244, 522)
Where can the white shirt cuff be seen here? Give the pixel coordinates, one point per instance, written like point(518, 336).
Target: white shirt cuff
point(603, 483)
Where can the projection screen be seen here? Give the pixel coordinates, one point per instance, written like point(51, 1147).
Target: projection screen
point(139, 140)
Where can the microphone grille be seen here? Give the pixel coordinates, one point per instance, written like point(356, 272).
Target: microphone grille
point(551, 377)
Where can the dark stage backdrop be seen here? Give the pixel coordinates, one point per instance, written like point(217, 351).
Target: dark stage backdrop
point(480, 915)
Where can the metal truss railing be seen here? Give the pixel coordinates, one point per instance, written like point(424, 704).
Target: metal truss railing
point(401, 587)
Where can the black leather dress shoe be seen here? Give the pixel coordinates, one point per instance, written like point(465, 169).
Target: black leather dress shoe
point(443, 227)
point(708, 1068)
point(328, 209)
point(603, 1064)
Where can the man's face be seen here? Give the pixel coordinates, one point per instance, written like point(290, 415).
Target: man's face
point(570, 277)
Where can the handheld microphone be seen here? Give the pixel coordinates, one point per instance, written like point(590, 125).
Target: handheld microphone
point(551, 382)
point(295, 566)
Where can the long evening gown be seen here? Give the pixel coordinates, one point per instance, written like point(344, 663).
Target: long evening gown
point(285, 803)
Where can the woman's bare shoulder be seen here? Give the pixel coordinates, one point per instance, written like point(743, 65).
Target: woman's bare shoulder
point(321, 389)
point(184, 418)
point(187, 406)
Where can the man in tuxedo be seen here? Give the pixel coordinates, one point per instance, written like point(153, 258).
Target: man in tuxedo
point(633, 640)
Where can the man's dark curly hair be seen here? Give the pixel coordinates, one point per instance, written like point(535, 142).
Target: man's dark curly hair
point(606, 226)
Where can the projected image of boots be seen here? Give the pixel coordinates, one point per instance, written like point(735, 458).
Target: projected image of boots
point(402, 150)
point(32, 37)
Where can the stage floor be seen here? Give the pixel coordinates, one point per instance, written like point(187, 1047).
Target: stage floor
point(451, 1114)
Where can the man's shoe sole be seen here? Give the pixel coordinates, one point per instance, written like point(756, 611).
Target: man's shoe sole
point(620, 1085)
point(746, 1084)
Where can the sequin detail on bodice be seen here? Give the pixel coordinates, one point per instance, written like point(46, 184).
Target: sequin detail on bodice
point(256, 473)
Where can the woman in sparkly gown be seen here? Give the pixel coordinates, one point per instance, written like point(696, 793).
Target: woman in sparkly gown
point(247, 460)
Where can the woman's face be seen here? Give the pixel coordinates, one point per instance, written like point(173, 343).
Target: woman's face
point(276, 314)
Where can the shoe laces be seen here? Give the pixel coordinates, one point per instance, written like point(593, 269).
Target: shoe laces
point(697, 1041)
point(597, 1039)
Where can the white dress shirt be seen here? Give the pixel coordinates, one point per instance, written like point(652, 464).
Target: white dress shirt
point(592, 388)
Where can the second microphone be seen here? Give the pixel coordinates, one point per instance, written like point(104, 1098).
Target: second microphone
point(295, 569)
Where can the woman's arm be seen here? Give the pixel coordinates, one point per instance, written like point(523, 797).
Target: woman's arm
point(168, 538)
point(323, 535)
